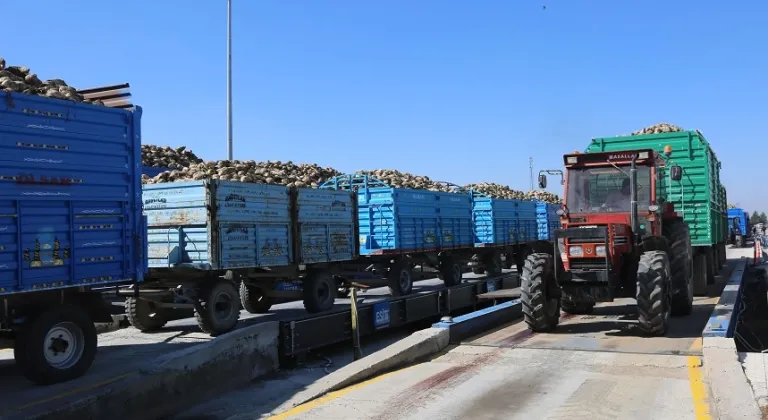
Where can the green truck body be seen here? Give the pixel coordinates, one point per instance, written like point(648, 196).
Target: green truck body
point(699, 198)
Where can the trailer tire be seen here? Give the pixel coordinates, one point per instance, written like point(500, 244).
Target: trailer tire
point(700, 275)
point(653, 294)
point(576, 302)
point(219, 308)
point(709, 252)
point(143, 315)
point(493, 264)
point(450, 272)
point(400, 279)
point(508, 263)
point(72, 330)
point(253, 300)
point(541, 310)
point(680, 265)
point(319, 291)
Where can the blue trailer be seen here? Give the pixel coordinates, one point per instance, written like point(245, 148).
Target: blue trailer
point(207, 238)
point(547, 220)
point(70, 222)
point(738, 227)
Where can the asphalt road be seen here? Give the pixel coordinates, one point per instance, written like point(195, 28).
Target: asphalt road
point(125, 351)
point(592, 367)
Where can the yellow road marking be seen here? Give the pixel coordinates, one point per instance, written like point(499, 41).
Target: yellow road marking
point(74, 391)
point(699, 392)
point(333, 395)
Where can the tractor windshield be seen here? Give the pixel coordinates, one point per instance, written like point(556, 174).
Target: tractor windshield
point(606, 190)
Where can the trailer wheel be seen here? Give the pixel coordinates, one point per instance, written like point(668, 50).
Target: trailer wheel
point(400, 279)
point(700, 275)
point(711, 261)
point(56, 346)
point(218, 310)
point(541, 309)
point(253, 300)
point(508, 263)
point(653, 294)
point(493, 264)
point(450, 272)
point(319, 290)
point(143, 315)
point(681, 266)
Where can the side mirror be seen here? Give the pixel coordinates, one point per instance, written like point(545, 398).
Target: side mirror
point(676, 173)
point(542, 181)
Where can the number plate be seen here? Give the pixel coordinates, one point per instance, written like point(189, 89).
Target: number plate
point(381, 315)
point(490, 285)
point(286, 286)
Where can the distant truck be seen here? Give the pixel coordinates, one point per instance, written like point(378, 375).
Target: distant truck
point(738, 227)
point(644, 217)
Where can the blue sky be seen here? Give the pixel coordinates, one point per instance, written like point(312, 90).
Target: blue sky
point(457, 90)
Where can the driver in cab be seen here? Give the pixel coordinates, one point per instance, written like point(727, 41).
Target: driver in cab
point(619, 199)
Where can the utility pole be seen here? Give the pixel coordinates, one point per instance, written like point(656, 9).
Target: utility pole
point(229, 79)
point(530, 168)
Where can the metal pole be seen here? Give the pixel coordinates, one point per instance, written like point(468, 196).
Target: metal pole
point(229, 79)
point(357, 350)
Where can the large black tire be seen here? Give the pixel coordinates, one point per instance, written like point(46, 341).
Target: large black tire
point(681, 266)
point(700, 275)
point(709, 252)
point(56, 346)
point(493, 264)
point(319, 291)
point(541, 310)
point(253, 300)
point(723, 254)
point(576, 302)
point(508, 261)
point(400, 279)
point(450, 272)
point(144, 316)
point(653, 297)
point(219, 308)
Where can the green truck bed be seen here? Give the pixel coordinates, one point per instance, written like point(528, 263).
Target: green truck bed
point(700, 197)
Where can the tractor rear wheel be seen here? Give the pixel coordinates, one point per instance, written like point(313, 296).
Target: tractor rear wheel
point(681, 266)
point(541, 309)
point(653, 294)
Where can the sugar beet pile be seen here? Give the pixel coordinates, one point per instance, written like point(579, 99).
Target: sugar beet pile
point(186, 166)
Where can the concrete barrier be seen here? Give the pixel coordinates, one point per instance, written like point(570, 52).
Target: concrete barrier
point(411, 349)
point(732, 395)
point(175, 380)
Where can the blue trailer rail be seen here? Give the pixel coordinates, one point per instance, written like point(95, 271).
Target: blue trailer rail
point(547, 220)
point(70, 219)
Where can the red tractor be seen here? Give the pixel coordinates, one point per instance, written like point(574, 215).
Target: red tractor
point(619, 238)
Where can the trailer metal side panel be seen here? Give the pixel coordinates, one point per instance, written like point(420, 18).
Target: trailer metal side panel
point(70, 195)
point(218, 225)
point(326, 223)
point(527, 224)
point(697, 197)
point(547, 219)
point(455, 220)
point(494, 221)
point(395, 219)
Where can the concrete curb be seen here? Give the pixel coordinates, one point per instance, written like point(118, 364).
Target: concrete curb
point(399, 354)
point(175, 380)
point(474, 323)
point(731, 393)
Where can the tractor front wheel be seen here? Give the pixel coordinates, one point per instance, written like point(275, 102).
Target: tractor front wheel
point(653, 293)
point(541, 308)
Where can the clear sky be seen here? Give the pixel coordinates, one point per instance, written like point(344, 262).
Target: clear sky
point(461, 91)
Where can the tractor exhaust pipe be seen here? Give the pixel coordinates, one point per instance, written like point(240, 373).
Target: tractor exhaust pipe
point(633, 200)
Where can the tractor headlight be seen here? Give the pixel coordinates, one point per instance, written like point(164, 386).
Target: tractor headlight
point(575, 251)
point(600, 250)
point(653, 208)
